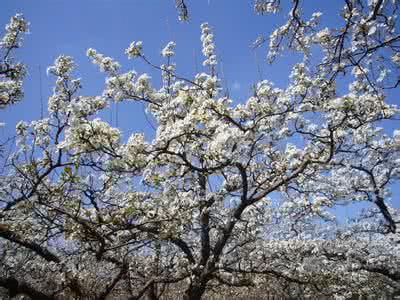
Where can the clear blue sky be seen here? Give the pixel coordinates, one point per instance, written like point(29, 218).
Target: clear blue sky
point(71, 26)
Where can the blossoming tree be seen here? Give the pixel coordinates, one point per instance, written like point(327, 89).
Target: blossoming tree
point(11, 73)
point(226, 197)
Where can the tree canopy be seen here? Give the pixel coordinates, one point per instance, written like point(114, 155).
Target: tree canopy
point(228, 198)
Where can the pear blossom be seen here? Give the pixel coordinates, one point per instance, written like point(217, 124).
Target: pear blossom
point(135, 49)
point(168, 51)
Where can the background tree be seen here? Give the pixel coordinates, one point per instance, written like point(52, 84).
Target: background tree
point(227, 197)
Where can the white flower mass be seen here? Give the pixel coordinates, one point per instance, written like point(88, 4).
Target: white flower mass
point(231, 196)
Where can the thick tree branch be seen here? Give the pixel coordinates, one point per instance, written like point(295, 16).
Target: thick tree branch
point(16, 287)
point(41, 251)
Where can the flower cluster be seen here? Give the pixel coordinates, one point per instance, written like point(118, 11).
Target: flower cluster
point(168, 51)
point(13, 38)
point(207, 39)
point(106, 64)
point(135, 49)
point(11, 73)
point(266, 6)
point(90, 136)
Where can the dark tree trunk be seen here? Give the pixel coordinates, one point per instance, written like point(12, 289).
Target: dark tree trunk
point(151, 293)
point(195, 292)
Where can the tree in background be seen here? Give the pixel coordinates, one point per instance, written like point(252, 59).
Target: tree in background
point(227, 199)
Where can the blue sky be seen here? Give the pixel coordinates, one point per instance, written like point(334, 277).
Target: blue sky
point(72, 26)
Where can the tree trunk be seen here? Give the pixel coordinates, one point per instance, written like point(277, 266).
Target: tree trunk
point(151, 293)
point(195, 292)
